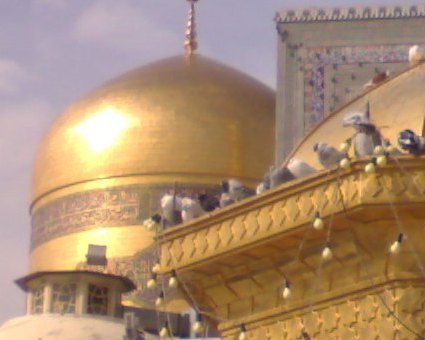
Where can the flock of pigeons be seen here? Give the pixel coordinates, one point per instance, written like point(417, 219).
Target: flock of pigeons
point(367, 140)
point(178, 208)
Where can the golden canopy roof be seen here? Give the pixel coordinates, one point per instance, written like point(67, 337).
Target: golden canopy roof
point(395, 105)
point(198, 120)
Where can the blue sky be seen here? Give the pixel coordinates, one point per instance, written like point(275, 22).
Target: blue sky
point(54, 51)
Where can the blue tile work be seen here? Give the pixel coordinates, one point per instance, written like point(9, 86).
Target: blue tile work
point(316, 59)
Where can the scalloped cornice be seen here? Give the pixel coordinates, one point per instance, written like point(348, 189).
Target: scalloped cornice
point(350, 13)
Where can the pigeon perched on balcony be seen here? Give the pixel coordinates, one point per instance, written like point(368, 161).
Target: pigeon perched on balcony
point(280, 175)
point(191, 208)
point(171, 206)
point(264, 184)
point(416, 55)
point(153, 222)
point(208, 202)
point(411, 142)
point(367, 136)
point(225, 198)
point(299, 168)
point(238, 191)
point(328, 155)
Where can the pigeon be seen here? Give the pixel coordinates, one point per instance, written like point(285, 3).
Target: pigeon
point(171, 206)
point(376, 79)
point(238, 191)
point(299, 168)
point(328, 155)
point(208, 202)
point(367, 136)
point(411, 142)
point(191, 208)
point(153, 222)
point(366, 139)
point(264, 184)
point(262, 187)
point(416, 55)
point(279, 176)
point(225, 198)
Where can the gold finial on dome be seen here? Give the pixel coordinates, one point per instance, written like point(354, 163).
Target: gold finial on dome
point(190, 42)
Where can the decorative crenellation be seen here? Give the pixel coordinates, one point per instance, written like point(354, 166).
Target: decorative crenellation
point(350, 14)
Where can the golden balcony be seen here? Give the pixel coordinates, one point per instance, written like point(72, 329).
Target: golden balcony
point(232, 263)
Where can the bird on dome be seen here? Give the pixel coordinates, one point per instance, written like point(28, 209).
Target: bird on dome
point(329, 156)
point(379, 77)
point(171, 206)
point(284, 173)
point(411, 142)
point(367, 136)
point(191, 208)
point(416, 55)
point(233, 191)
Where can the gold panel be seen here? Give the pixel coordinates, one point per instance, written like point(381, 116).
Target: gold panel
point(366, 316)
point(169, 119)
point(394, 106)
point(68, 252)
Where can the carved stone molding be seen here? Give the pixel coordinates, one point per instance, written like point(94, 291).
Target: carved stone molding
point(351, 13)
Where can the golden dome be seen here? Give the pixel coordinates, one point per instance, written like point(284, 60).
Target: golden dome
point(197, 122)
point(397, 104)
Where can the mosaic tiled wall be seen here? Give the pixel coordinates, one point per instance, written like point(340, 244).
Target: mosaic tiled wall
point(315, 62)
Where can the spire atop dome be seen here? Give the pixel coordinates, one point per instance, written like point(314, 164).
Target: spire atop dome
point(190, 42)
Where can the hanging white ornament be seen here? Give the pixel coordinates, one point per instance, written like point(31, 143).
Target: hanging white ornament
point(318, 222)
point(327, 253)
point(344, 163)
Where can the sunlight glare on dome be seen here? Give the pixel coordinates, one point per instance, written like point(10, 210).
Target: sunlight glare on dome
point(101, 130)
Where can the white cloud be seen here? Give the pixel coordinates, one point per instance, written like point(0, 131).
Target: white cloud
point(12, 75)
point(120, 25)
